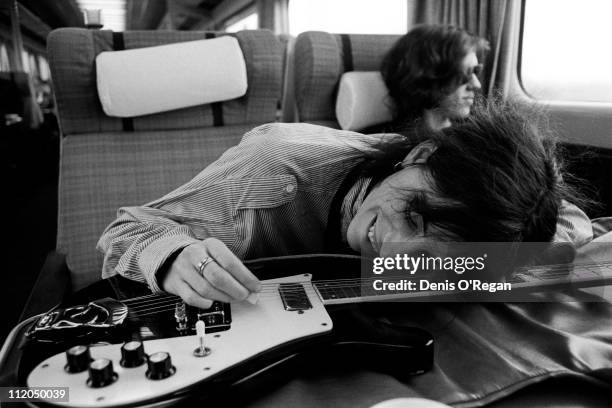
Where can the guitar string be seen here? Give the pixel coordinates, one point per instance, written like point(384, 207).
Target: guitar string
point(167, 302)
point(332, 283)
point(168, 307)
point(357, 290)
point(271, 289)
point(151, 301)
point(267, 288)
point(172, 307)
point(274, 287)
point(172, 299)
point(170, 304)
point(154, 299)
point(548, 270)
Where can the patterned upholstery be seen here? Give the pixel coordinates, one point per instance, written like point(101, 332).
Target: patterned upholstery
point(321, 59)
point(104, 167)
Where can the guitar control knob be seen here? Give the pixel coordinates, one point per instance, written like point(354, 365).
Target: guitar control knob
point(101, 373)
point(77, 358)
point(132, 354)
point(160, 366)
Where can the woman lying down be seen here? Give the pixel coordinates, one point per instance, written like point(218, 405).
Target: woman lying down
point(299, 188)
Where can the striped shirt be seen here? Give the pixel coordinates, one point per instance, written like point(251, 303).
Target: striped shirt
point(268, 196)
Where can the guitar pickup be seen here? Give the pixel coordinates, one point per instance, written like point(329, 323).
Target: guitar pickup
point(294, 297)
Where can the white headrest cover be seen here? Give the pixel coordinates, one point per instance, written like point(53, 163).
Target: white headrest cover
point(362, 100)
point(167, 77)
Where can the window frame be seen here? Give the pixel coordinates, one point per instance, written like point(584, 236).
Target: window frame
point(240, 15)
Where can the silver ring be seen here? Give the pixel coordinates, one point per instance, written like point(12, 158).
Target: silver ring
point(202, 264)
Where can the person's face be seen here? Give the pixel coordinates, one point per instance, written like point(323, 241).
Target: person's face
point(383, 219)
point(457, 105)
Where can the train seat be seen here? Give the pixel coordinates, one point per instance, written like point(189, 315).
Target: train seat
point(108, 162)
point(321, 58)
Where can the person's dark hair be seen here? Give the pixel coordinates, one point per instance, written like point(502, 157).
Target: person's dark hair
point(424, 65)
point(498, 171)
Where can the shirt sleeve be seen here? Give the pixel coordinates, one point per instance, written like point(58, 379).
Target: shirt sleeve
point(139, 241)
point(264, 171)
point(573, 225)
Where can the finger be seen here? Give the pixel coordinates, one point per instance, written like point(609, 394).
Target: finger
point(215, 283)
point(221, 280)
point(183, 272)
point(205, 289)
point(230, 262)
point(191, 297)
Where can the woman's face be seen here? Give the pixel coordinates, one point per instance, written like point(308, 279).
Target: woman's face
point(458, 104)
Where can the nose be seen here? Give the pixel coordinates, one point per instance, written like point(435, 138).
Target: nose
point(475, 83)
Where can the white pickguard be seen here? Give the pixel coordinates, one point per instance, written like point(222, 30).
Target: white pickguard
point(254, 330)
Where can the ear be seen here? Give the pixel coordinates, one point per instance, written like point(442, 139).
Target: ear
point(420, 153)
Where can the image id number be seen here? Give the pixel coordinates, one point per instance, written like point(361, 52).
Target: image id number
point(51, 394)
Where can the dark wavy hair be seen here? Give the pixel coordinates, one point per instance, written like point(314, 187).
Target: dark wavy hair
point(498, 172)
point(424, 65)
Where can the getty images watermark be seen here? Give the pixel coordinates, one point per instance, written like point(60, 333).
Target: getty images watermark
point(489, 272)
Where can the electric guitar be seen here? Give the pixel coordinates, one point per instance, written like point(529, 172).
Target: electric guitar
point(115, 344)
point(135, 348)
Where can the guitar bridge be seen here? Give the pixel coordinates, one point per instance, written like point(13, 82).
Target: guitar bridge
point(216, 318)
point(294, 297)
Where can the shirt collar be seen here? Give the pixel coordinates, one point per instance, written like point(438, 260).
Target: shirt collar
point(351, 203)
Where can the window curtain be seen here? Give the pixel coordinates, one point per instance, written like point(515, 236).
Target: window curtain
point(495, 20)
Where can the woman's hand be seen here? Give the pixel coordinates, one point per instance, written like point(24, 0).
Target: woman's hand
point(221, 275)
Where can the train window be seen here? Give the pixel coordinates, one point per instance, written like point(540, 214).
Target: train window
point(249, 21)
point(348, 16)
point(25, 60)
point(564, 53)
point(45, 72)
point(4, 59)
point(113, 12)
point(33, 63)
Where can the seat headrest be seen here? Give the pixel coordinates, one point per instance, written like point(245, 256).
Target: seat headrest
point(157, 79)
point(363, 100)
point(72, 53)
point(320, 60)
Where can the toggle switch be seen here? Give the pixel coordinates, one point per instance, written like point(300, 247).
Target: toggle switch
point(201, 350)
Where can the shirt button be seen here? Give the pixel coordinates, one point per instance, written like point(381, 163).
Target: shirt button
point(290, 188)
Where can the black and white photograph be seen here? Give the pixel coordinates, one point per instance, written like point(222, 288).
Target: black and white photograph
point(306, 203)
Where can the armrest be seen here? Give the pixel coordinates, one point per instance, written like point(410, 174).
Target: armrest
point(52, 284)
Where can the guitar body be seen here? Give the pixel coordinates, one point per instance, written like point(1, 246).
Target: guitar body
point(288, 329)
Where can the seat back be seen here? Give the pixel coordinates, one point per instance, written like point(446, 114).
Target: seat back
point(320, 60)
point(108, 162)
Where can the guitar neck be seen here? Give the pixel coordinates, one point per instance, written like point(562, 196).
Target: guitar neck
point(524, 281)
